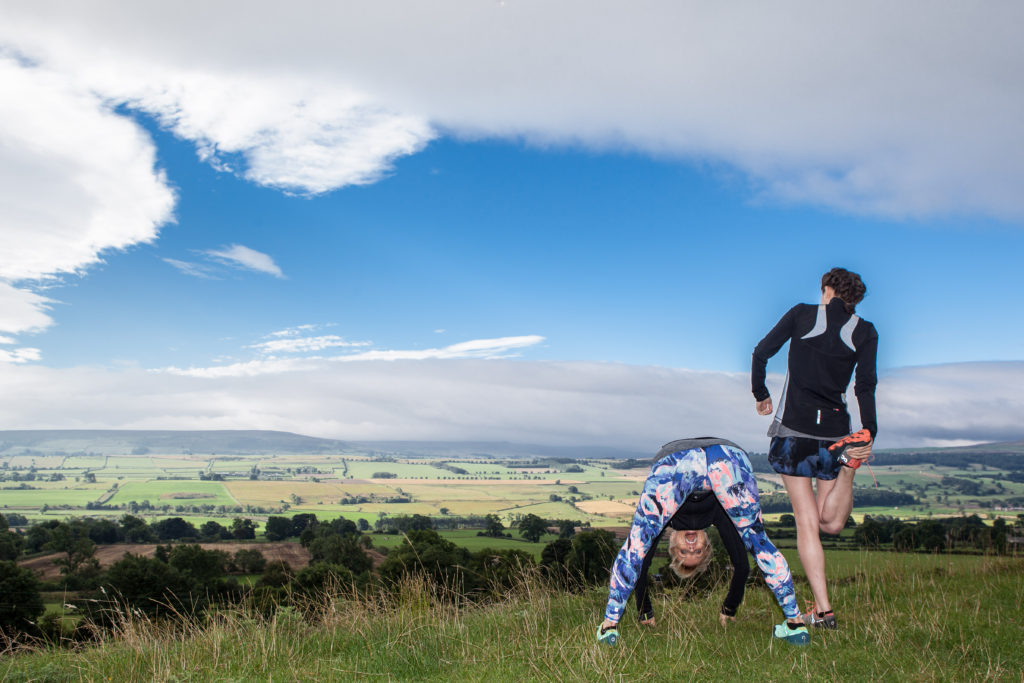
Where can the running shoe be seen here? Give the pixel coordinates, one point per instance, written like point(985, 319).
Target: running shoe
point(793, 636)
point(815, 619)
point(858, 438)
point(610, 636)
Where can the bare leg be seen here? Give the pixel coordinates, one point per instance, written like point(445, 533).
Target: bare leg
point(835, 501)
point(812, 555)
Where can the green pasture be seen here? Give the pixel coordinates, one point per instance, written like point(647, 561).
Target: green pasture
point(51, 494)
point(163, 492)
point(403, 470)
point(84, 462)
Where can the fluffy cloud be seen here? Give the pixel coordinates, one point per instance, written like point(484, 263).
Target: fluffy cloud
point(524, 401)
point(78, 181)
point(860, 106)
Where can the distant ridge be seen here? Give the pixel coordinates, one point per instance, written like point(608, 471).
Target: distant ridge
point(128, 441)
point(257, 442)
point(261, 442)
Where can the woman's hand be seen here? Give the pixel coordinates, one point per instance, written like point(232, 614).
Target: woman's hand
point(648, 622)
point(764, 407)
point(860, 452)
point(607, 624)
point(724, 619)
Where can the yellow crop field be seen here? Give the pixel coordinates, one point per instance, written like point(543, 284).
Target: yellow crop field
point(270, 493)
point(609, 508)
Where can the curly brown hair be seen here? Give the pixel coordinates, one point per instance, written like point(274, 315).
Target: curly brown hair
point(847, 286)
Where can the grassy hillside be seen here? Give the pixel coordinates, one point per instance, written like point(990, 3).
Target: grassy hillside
point(903, 617)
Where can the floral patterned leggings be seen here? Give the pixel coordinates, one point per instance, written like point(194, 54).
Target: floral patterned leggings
point(726, 471)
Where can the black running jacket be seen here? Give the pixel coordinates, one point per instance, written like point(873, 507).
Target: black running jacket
point(826, 344)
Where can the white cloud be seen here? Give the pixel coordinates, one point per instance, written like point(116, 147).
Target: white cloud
point(21, 355)
point(238, 256)
point(501, 347)
point(76, 181)
point(22, 310)
point(470, 399)
point(199, 270)
point(852, 105)
point(305, 344)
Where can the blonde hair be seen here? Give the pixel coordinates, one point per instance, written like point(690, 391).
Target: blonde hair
point(689, 572)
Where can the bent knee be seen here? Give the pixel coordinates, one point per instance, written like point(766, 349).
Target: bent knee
point(832, 528)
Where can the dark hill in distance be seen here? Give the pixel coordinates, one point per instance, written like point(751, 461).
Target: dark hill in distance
point(255, 442)
point(259, 442)
point(129, 441)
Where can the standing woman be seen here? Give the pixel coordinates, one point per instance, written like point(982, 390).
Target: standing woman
point(811, 437)
point(680, 469)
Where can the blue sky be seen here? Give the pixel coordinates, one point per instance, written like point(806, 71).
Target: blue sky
point(609, 257)
point(563, 244)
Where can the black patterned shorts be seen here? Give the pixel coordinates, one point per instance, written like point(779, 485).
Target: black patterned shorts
point(798, 456)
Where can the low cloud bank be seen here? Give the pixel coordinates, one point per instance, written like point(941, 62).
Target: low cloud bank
point(636, 407)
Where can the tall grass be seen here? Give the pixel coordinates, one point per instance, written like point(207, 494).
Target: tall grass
point(902, 617)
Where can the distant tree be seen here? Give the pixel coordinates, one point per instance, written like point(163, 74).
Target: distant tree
point(38, 535)
point(136, 530)
point(277, 528)
point(174, 528)
point(592, 554)
point(16, 519)
point(424, 552)
point(787, 520)
point(499, 571)
point(104, 531)
point(243, 528)
point(532, 527)
point(20, 602)
point(494, 527)
point(214, 531)
point(301, 522)
point(363, 524)
point(72, 539)
point(276, 573)
point(555, 553)
point(201, 568)
point(344, 550)
point(250, 560)
point(566, 528)
point(322, 577)
point(343, 526)
point(154, 587)
point(10, 542)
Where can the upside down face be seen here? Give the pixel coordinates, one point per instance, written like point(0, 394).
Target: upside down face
point(689, 548)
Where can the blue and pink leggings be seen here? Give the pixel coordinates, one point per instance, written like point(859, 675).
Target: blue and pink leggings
point(726, 471)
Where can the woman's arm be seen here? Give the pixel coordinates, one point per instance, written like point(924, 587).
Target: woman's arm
point(866, 380)
point(765, 349)
point(643, 598)
point(740, 564)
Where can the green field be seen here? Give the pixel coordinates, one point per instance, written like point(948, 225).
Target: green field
point(342, 484)
point(174, 493)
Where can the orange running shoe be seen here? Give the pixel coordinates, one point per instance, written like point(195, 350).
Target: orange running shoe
point(859, 438)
